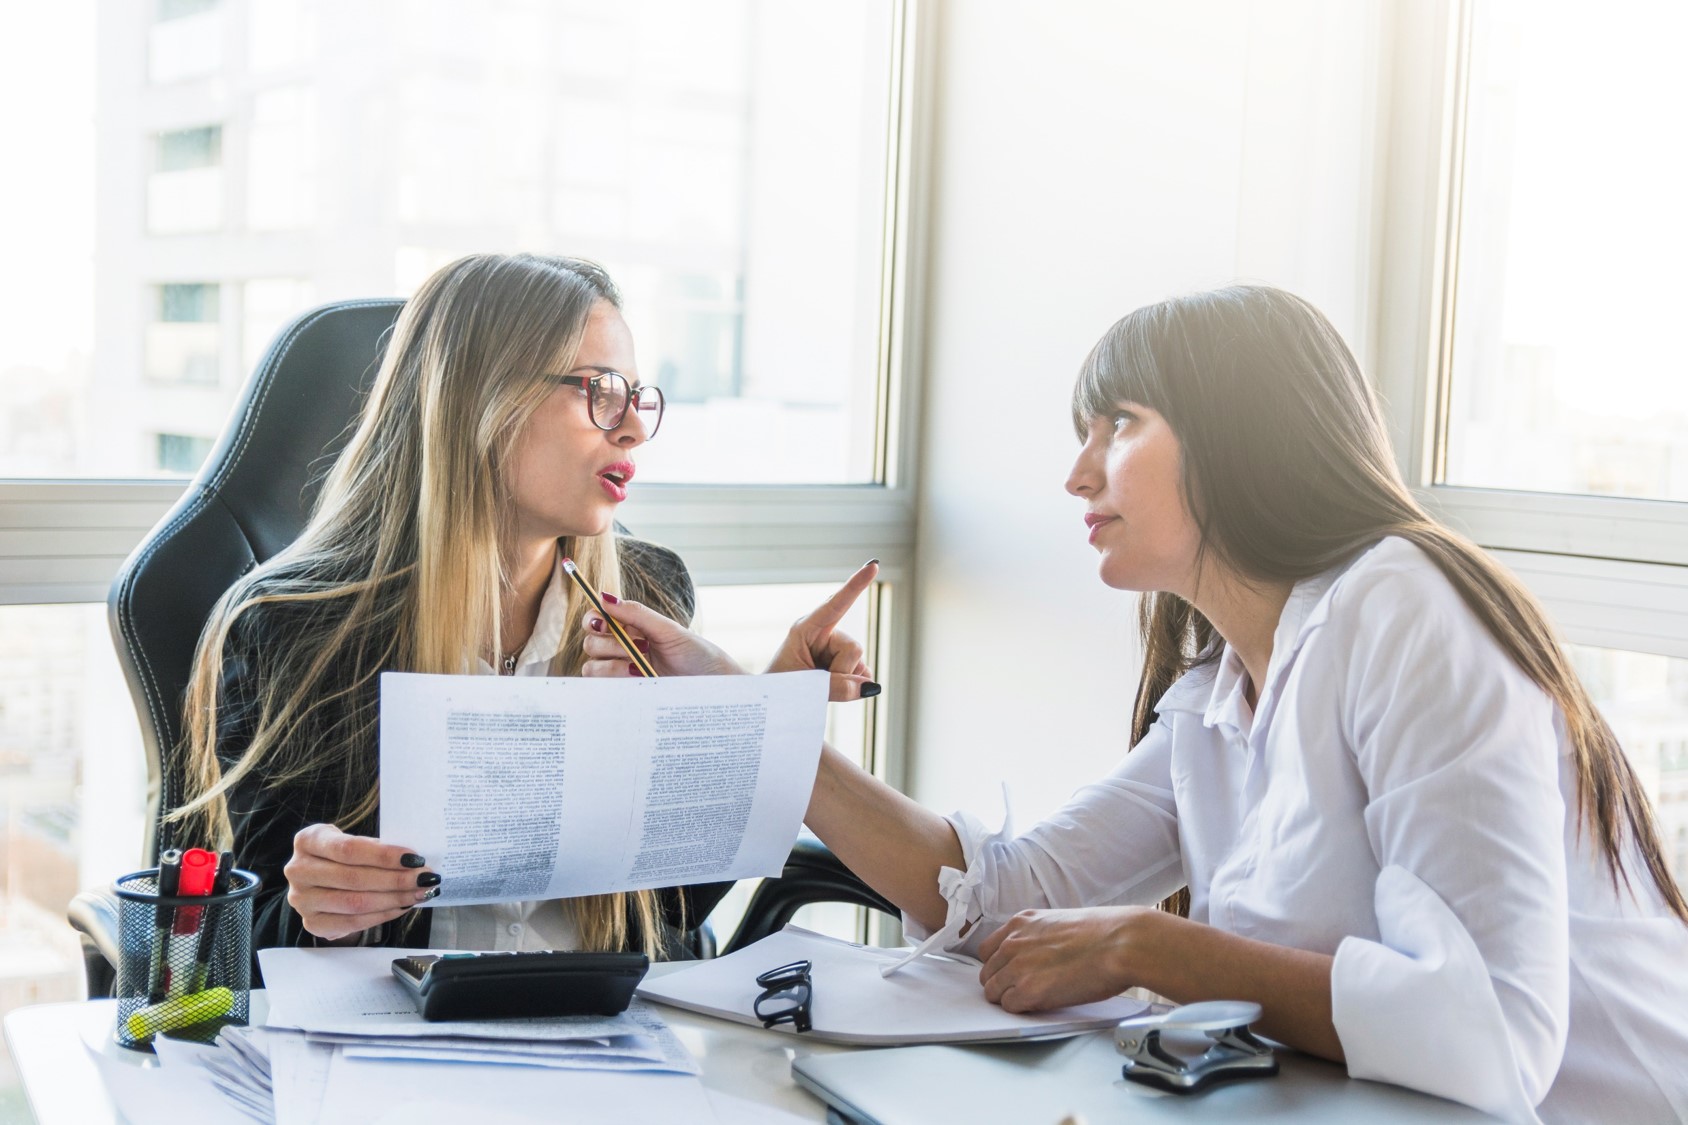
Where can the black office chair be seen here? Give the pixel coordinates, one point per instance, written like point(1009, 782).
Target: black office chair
point(251, 499)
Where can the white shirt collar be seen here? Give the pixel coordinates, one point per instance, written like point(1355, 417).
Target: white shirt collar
point(548, 629)
point(1303, 612)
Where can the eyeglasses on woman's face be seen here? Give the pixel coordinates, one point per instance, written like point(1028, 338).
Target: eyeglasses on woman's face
point(609, 396)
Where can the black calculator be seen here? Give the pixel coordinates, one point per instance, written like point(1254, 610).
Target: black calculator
point(480, 986)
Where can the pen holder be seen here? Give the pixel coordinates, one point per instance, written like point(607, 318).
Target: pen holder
point(184, 961)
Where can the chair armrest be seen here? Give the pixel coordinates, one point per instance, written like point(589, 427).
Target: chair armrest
point(812, 874)
point(93, 915)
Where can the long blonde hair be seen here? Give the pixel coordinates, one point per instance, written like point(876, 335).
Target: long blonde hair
point(1288, 472)
point(399, 567)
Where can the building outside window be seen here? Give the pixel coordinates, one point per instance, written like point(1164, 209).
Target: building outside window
point(181, 453)
point(184, 341)
point(185, 189)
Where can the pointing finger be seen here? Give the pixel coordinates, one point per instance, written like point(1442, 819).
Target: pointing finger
point(832, 611)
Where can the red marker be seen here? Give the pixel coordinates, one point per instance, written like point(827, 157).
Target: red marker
point(199, 873)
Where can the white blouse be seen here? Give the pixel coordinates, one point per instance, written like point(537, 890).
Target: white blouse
point(1404, 798)
point(517, 926)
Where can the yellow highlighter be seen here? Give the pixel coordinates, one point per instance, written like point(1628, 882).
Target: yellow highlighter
point(183, 1011)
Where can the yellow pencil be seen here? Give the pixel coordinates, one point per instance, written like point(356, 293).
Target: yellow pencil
point(638, 658)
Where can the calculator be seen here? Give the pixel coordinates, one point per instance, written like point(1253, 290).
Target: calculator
point(479, 986)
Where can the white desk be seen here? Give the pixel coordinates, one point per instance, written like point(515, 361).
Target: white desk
point(65, 1088)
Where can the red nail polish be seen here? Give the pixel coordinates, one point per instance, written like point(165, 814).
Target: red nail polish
point(642, 645)
point(596, 624)
point(611, 599)
point(633, 669)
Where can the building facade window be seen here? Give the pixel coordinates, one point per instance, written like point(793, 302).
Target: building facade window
point(185, 189)
point(181, 453)
point(184, 340)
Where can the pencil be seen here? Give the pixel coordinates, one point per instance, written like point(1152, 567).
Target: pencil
point(626, 642)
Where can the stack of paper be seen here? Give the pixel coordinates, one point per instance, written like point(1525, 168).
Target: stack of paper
point(344, 1043)
point(931, 1000)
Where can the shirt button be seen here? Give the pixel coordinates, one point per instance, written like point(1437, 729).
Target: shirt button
point(515, 929)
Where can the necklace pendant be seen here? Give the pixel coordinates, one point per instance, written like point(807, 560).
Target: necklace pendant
point(508, 666)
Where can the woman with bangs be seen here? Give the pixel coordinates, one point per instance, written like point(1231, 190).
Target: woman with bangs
point(1365, 785)
point(498, 438)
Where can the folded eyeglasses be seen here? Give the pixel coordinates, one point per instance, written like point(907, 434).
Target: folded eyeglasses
point(785, 996)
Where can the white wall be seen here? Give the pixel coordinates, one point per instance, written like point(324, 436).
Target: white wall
point(1088, 158)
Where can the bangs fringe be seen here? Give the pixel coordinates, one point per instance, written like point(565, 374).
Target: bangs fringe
point(1121, 368)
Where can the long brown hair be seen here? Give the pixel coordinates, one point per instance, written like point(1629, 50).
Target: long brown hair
point(1288, 472)
point(400, 567)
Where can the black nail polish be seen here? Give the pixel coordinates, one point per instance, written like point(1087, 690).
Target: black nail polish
point(433, 892)
point(428, 879)
point(870, 689)
point(873, 562)
point(411, 859)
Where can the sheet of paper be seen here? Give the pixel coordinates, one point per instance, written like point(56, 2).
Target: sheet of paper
point(655, 1048)
point(352, 991)
point(933, 1000)
point(165, 1095)
point(519, 788)
point(298, 1077)
point(372, 1092)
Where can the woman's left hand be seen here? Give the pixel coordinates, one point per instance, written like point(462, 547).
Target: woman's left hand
point(815, 641)
point(1043, 959)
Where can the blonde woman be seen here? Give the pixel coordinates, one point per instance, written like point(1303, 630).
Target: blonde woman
point(500, 435)
point(1364, 774)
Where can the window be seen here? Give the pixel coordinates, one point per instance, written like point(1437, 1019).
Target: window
point(1644, 698)
point(185, 42)
point(182, 9)
point(734, 164)
point(74, 788)
point(184, 341)
point(1566, 373)
point(185, 190)
point(1527, 293)
point(742, 168)
point(181, 453)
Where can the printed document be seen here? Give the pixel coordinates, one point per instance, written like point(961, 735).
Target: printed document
point(520, 788)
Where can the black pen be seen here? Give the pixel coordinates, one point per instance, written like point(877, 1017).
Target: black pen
point(225, 883)
point(164, 917)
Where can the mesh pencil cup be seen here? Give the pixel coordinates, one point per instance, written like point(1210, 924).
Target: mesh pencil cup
point(184, 961)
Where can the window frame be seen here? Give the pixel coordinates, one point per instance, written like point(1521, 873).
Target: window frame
point(1612, 571)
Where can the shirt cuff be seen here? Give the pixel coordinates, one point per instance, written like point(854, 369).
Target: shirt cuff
point(967, 918)
point(1417, 1007)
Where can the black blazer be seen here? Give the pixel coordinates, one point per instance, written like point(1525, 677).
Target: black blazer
point(266, 817)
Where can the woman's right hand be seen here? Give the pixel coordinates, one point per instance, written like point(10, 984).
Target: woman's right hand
point(673, 649)
point(342, 885)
